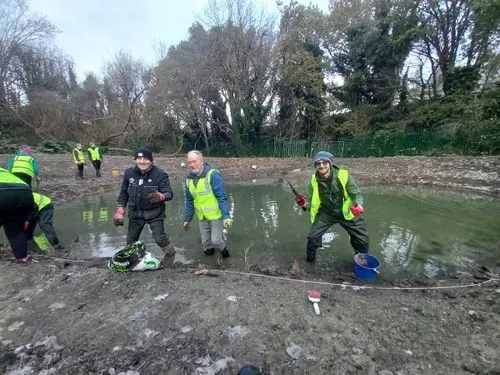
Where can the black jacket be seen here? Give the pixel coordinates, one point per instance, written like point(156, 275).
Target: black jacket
point(135, 189)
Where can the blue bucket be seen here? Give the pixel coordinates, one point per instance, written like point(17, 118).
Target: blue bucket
point(366, 267)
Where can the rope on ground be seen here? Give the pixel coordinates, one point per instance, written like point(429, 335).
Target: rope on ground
point(327, 283)
point(360, 287)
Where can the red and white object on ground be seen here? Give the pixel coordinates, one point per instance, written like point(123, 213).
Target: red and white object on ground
point(314, 296)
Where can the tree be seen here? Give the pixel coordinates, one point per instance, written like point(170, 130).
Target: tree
point(127, 82)
point(301, 85)
point(458, 33)
point(20, 33)
point(242, 39)
point(370, 42)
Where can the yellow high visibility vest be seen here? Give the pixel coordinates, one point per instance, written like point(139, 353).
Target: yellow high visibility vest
point(342, 176)
point(41, 201)
point(205, 203)
point(8, 178)
point(94, 153)
point(23, 164)
point(81, 158)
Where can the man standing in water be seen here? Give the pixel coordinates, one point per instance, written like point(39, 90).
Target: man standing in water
point(145, 188)
point(205, 196)
point(335, 197)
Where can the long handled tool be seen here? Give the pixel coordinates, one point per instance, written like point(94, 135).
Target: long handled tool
point(314, 296)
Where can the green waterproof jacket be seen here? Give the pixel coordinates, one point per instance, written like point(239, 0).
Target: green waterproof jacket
point(334, 199)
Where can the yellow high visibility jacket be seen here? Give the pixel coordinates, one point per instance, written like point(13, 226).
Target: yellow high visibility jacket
point(205, 203)
point(79, 158)
point(94, 153)
point(41, 201)
point(23, 164)
point(8, 178)
point(342, 176)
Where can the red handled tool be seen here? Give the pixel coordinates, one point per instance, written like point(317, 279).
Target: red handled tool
point(299, 198)
point(314, 296)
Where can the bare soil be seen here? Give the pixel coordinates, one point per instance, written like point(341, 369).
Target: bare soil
point(61, 316)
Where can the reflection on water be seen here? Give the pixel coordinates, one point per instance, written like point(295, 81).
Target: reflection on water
point(411, 231)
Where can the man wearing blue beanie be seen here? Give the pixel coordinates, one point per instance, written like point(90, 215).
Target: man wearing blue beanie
point(334, 197)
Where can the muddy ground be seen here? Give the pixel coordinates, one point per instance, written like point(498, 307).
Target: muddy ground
point(59, 316)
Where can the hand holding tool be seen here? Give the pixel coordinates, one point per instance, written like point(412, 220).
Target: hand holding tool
point(301, 201)
point(299, 198)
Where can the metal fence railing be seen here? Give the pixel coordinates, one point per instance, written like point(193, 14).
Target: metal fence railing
point(380, 144)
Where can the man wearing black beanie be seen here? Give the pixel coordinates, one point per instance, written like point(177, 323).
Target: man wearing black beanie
point(145, 188)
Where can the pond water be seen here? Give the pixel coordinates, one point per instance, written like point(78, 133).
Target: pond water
point(412, 231)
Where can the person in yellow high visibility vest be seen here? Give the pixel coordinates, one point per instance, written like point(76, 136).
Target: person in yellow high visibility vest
point(16, 203)
point(96, 158)
point(43, 214)
point(79, 159)
point(24, 166)
point(206, 198)
point(334, 197)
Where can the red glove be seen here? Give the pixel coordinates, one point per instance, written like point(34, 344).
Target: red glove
point(26, 225)
point(156, 197)
point(301, 201)
point(119, 215)
point(357, 209)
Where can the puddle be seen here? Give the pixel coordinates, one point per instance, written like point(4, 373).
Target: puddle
point(412, 231)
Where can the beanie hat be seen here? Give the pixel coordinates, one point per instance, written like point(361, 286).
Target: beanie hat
point(324, 156)
point(144, 152)
point(27, 150)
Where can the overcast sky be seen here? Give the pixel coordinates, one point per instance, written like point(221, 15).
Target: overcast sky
point(92, 31)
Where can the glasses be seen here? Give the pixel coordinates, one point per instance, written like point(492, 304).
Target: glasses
point(318, 163)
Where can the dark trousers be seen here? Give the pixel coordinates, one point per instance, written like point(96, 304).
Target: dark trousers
point(136, 225)
point(23, 176)
point(97, 166)
point(15, 207)
point(79, 168)
point(355, 228)
point(45, 221)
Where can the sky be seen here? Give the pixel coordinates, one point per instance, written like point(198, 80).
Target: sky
point(93, 31)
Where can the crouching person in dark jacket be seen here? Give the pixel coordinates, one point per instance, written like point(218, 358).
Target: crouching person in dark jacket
point(145, 188)
point(43, 214)
point(16, 203)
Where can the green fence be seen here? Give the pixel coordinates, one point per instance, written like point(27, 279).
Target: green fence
point(380, 144)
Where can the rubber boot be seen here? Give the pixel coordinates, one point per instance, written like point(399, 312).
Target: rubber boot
point(225, 253)
point(169, 251)
point(310, 255)
point(210, 251)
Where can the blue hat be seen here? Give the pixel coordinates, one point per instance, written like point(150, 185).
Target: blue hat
point(324, 156)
